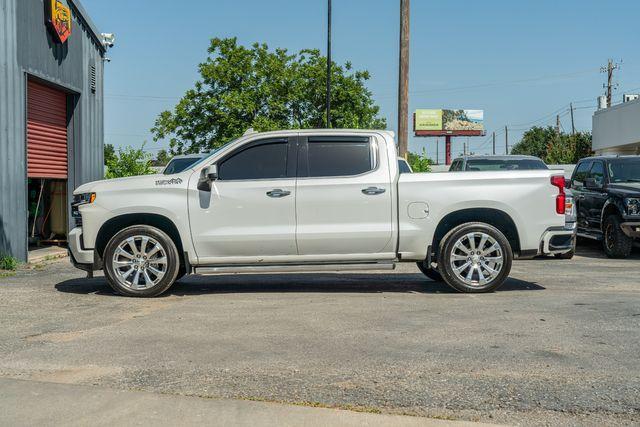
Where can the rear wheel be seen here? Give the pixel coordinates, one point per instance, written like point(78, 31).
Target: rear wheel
point(141, 261)
point(616, 243)
point(475, 257)
point(431, 273)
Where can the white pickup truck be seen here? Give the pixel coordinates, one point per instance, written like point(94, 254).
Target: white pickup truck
point(315, 200)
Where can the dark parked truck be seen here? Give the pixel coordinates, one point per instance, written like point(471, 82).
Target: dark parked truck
point(607, 195)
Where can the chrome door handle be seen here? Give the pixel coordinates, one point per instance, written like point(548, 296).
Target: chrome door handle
point(277, 193)
point(372, 191)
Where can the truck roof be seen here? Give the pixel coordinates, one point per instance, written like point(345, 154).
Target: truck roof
point(498, 157)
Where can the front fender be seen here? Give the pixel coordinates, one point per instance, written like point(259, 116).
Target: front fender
point(612, 205)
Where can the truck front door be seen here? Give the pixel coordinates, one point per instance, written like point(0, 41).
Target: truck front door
point(343, 199)
point(579, 192)
point(249, 214)
point(595, 196)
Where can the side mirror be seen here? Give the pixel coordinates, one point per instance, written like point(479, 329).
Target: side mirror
point(209, 174)
point(567, 183)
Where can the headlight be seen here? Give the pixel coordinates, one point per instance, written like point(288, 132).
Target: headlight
point(84, 198)
point(632, 205)
point(79, 200)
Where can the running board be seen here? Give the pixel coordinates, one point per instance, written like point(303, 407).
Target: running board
point(293, 268)
point(589, 235)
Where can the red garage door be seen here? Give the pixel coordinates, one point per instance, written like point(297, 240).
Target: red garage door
point(46, 132)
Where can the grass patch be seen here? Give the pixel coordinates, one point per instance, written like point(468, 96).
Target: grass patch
point(8, 263)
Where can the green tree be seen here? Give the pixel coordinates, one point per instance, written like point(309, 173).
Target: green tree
point(109, 153)
point(254, 87)
point(162, 158)
point(129, 161)
point(535, 142)
point(554, 147)
point(419, 162)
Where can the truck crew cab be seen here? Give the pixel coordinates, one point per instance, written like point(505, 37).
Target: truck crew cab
point(315, 200)
point(607, 196)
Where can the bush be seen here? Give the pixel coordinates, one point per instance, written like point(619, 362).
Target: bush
point(8, 262)
point(128, 161)
point(419, 162)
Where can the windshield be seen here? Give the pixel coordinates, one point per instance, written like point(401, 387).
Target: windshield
point(179, 165)
point(504, 165)
point(625, 170)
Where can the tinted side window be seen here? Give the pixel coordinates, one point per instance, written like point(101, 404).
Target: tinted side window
point(262, 161)
point(582, 170)
point(455, 166)
point(597, 173)
point(334, 157)
point(403, 166)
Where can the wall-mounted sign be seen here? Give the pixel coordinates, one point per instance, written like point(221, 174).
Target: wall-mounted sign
point(448, 122)
point(59, 17)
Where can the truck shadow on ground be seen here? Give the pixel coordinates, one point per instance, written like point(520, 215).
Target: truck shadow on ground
point(294, 283)
point(589, 248)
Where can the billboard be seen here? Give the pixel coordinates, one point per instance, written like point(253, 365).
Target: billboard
point(449, 122)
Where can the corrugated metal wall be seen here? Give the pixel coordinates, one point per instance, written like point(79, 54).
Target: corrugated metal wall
point(13, 202)
point(28, 48)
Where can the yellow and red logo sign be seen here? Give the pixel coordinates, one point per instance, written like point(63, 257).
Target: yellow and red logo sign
point(60, 18)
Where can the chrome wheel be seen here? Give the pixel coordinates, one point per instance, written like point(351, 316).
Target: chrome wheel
point(139, 262)
point(476, 258)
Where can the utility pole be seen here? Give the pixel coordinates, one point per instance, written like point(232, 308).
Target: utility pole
point(573, 125)
point(437, 151)
point(609, 69)
point(494, 143)
point(558, 124)
point(506, 140)
point(328, 63)
point(403, 83)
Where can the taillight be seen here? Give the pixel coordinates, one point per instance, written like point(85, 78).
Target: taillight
point(558, 181)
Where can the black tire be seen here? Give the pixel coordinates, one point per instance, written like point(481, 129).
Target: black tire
point(431, 273)
point(616, 244)
point(567, 255)
point(448, 251)
point(170, 251)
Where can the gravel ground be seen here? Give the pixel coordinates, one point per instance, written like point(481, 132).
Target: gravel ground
point(557, 344)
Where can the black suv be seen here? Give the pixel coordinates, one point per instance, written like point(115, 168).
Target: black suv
point(607, 195)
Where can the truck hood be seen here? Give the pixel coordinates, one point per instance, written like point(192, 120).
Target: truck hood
point(626, 189)
point(129, 182)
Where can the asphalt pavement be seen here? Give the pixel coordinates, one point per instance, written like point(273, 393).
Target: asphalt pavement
point(557, 344)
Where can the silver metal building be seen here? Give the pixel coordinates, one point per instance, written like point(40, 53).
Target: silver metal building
point(51, 118)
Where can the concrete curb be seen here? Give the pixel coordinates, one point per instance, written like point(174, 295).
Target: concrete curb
point(39, 403)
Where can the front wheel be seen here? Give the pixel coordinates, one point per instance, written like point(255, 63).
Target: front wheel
point(475, 257)
point(616, 243)
point(141, 261)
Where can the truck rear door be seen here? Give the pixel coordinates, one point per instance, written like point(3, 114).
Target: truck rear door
point(343, 198)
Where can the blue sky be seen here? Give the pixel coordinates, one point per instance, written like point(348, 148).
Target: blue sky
point(520, 61)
